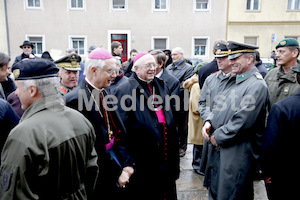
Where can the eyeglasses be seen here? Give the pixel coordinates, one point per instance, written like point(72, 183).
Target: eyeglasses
point(148, 66)
point(26, 47)
point(110, 71)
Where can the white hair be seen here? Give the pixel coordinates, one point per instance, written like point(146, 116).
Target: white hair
point(46, 86)
point(89, 63)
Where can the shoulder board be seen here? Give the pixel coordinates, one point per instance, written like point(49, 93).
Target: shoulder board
point(258, 75)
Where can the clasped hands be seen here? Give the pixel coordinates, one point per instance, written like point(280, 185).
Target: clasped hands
point(125, 176)
point(205, 130)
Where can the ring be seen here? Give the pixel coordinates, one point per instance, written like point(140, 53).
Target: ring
point(124, 186)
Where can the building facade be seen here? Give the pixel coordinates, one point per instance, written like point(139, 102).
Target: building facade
point(3, 28)
point(57, 25)
point(263, 22)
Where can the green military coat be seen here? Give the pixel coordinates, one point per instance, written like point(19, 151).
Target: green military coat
point(49, 155)
point(280, 84)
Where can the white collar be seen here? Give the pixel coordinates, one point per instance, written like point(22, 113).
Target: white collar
point(87, 80)
point(159, 74)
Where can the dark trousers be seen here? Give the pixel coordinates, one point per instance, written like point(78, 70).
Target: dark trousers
point(181, 121)
point(197, 155)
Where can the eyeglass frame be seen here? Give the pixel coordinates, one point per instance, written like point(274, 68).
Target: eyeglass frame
point(148, 66)
point(110, 72)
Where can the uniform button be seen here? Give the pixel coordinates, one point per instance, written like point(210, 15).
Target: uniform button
point(155, 125)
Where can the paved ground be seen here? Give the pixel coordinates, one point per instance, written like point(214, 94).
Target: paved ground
point(190, 184)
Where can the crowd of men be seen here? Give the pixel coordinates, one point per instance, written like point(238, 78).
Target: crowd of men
point(104, 129)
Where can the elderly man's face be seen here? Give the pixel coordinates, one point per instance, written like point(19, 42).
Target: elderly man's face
point(69, 78)
point(176, 55)
point(105, 75)
point(240, 64)
point(27, 49)
point(146, 70)
point(24, 95)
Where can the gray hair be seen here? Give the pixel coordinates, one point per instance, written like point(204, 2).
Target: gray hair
point(46, 86)
point(89, 63)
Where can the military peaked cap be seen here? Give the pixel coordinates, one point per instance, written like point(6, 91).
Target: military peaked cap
point(69, 62)
point(236, 49)
point(221, 50)
point(34, 69)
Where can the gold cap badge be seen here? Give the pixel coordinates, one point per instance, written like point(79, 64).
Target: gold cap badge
point(16, 73)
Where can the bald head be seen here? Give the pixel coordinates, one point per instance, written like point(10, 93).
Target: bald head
point(177, 54)
point(145, 67)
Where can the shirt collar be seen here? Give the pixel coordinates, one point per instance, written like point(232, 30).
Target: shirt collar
point(159, 74)
point(87, 80)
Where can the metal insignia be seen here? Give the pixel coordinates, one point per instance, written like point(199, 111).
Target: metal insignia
point(218, 51)
point(74, 63)
point(5, 180)
point(218, 45)
point(16, 73)
point(283, 43)
point(286, 90)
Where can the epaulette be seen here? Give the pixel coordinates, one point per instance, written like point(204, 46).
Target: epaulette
point(258, 75)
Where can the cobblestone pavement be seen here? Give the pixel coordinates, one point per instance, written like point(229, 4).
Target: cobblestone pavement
point(190, 184)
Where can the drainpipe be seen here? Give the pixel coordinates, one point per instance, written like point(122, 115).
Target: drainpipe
point(7, 32)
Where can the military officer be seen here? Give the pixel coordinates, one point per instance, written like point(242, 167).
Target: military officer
point(211, 87)
point(69, 72)
point(237, 124)
point(50, 154)
point(282, 126)
point(281, 82)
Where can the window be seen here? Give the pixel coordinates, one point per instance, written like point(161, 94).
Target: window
point(200, 47)
point(38, 44)
point(119, 5)
point(253, 5)
point(295, 37)
point(160, 42)
point(293, 5)
point(201, 5)
point(253, 40)
point(160, 5)
point(33, 4)
point(78, 43)
point(76, 4)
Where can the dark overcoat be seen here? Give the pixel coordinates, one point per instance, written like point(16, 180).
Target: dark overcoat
point(146, 137)
point(109, 168)
point(280, 147)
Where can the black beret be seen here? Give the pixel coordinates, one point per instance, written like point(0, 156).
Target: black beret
point(236, 49)
point(34, 69)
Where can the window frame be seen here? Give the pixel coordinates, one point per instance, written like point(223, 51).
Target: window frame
point(207, 47)
point(27, 37)
point(252, 36)
point(167, 9)
point(292, 9)
point(76, 9)
point(84, 37)
point(252, 5)
point(201, 10)
point(26, 7)
point(118, 9)
point(153, 38)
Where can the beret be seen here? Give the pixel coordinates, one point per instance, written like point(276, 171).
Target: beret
point(34, 69)
point(287, 42)
point(100, 53)
point(69, 62)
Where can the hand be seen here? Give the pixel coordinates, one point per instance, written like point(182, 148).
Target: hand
point(213, 140)
point(31, 56)
point(205, 130)
point(125, 175)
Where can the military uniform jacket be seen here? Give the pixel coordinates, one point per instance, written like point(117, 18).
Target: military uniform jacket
point(238, 123)
point(49, 155)
point(280, 84)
